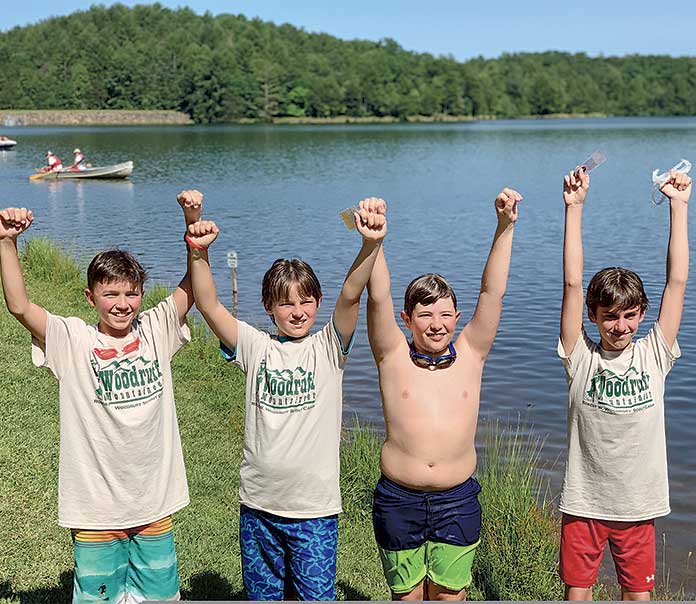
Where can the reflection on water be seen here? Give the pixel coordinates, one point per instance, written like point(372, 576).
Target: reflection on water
point(277, 192)
point(75, 196)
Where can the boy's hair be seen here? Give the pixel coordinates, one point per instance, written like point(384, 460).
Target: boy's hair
point(618, 288)
point(115, 265)
point(282, 275)
point(427, 289)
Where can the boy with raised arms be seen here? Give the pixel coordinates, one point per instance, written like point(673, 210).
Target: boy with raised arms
point(121, 469)
point(289, 487)
point(426, 514)
point(615, 481)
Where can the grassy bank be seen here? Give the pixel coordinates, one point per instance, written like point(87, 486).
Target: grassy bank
point(374, 119)
point(517, 558)
point(418, 119)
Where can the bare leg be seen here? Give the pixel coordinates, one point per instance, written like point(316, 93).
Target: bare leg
point(417, 593)
point(635, 596)
point(437, 592)
point(578, 594)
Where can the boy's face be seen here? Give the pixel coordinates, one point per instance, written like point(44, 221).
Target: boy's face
point(616, 327)
point(117, 304)
point(295, 316)
point(432, 325)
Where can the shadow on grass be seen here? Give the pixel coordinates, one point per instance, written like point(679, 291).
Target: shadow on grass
point(57, 594)
point(350, 592)
point(204, 586)
point(211, 586)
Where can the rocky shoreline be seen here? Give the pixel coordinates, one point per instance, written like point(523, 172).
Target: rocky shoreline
point(92, 117)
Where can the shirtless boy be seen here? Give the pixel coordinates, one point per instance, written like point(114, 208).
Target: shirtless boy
point(426, 515)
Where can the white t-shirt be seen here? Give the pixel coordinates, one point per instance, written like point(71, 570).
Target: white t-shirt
point(617, 454)
point(121, 463)
point(292, 426)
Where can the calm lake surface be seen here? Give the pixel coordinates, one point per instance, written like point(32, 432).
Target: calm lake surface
point(277, 191)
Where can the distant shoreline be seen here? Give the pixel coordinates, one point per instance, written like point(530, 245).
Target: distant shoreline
point(91, 117)
point(123, 117)
point(422, 119)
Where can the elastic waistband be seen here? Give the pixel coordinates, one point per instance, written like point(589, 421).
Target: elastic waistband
point(469, 488)
point(152, 529)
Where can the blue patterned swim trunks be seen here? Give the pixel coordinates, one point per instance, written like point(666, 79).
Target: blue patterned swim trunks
point(284, 557)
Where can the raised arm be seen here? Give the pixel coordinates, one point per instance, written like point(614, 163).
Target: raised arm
point(13, 222)
point(575, 188)
point(371, 223)
point(678, 190)
point(223, 323)
point(191, 203)
point(382, 329)
point(479, 332)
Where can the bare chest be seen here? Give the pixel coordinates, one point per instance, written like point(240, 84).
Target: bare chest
point(439, 391)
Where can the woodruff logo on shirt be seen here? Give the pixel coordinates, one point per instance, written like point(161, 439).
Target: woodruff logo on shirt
point(615, 394)
point(285, 390)
point(128, 382)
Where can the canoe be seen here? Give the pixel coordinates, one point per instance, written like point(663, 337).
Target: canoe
point(7, 143)
point(123, 170)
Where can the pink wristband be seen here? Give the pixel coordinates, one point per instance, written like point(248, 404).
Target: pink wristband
point(192, 243)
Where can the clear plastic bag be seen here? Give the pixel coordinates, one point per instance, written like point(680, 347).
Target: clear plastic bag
point(658, 179)
point(594, 161)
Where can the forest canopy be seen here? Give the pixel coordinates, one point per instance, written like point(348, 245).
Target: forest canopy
point(227, 68)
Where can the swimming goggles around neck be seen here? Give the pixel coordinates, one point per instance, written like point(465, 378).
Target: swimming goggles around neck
point(432, 363)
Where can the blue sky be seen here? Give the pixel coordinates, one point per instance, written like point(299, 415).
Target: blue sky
point(461, 28)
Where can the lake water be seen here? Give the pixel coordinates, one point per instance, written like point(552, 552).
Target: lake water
point(277, 191)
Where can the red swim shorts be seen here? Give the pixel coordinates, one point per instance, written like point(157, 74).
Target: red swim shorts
point(632, 546)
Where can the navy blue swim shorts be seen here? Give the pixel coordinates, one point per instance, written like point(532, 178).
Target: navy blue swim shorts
point(405, 518)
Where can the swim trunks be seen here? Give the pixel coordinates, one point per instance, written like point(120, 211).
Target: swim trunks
point(279, 554)
point(126, 565)
point(423, 534)
point(632, 546)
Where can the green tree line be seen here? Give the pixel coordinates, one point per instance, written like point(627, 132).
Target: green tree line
point(225, 68)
